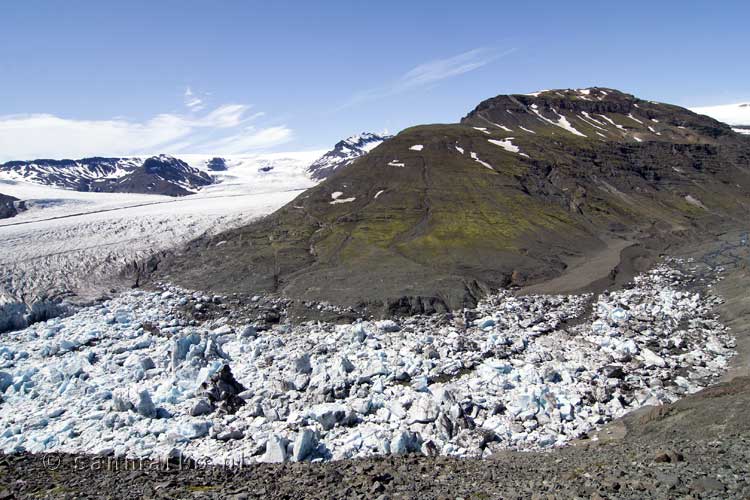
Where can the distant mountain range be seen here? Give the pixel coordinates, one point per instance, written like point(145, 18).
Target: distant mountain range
point(434, 217)
point(169, 175)
point(161, 174)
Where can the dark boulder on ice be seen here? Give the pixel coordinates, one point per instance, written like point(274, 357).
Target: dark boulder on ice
point(222, 391)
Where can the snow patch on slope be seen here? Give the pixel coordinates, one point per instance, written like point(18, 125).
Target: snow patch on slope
point(561, 122)
point(565, 124)
point(506, 144)
point(611, 121)
point(338, 201)
point(475, 157)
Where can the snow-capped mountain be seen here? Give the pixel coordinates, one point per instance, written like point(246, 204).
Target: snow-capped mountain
point(343, 153)
point(161, 174)
point(737, 115)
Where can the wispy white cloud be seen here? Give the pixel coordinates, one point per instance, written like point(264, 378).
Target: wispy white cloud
point(225, 129)
point(429, 73)
point(192, 101)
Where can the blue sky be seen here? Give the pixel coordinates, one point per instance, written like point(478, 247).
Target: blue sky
point(135, 77)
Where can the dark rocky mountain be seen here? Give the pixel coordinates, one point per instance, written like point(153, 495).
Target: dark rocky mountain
point(524, 185)
point(344, 153)
point(162, 174)
point(10, 206)
point(217, 164)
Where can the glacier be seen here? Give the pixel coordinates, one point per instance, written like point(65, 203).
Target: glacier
point(138, 376)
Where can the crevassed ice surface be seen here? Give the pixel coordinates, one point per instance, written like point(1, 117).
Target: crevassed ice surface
point(523, 372)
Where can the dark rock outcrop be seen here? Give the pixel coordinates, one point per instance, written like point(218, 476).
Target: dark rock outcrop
point(217, 164)
point(10, 206)
point(222, 391)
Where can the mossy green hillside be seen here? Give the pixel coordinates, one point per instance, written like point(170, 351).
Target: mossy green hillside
point(440, 212)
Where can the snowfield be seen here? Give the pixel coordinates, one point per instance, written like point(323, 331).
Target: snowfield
point(137, 377)
point(732, 114)
point(71, 244)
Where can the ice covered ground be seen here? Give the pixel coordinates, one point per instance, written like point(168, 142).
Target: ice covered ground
point(733, 114)
point(137, 376)
point(72, 243)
